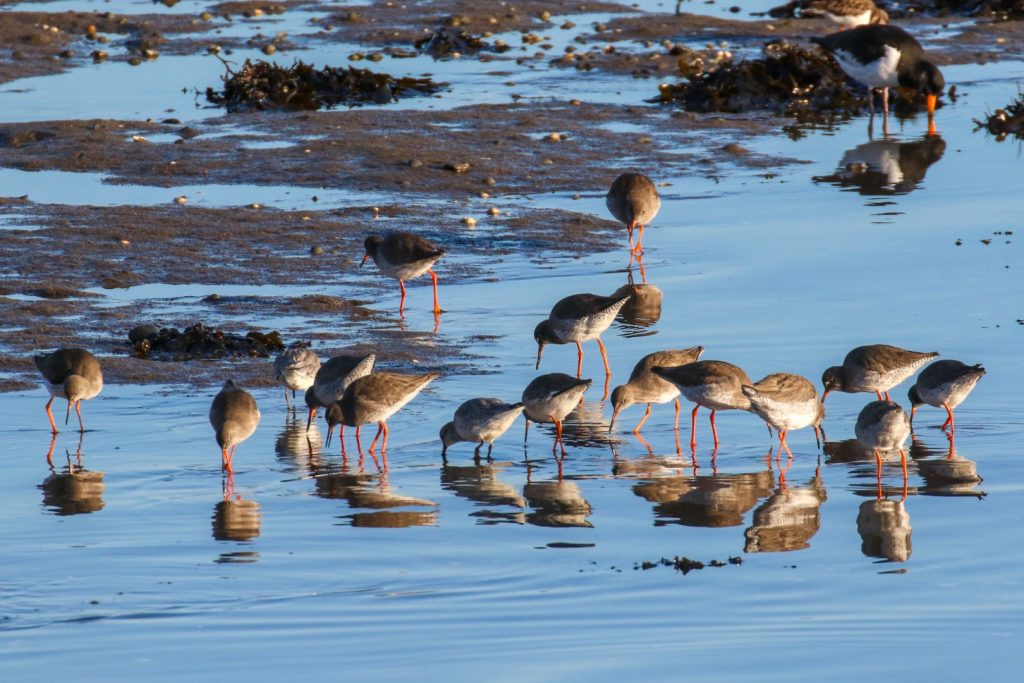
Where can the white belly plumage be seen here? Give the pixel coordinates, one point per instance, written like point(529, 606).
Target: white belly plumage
point(880, 73)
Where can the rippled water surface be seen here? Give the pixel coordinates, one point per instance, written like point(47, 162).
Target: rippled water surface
point(141, 564)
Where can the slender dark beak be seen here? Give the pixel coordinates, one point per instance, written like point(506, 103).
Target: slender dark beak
point(615, 414)
point(327, 441)
point(444, 450)
point(540, 350)
point(68, 416)
point(366, 257)
point(825, 395)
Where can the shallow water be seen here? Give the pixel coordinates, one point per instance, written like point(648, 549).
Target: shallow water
point(138, 568)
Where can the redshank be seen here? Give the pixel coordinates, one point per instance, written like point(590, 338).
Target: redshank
point(549, 398)
point(576, 319)
point(646, 387)
point(786, 401)
point(296, 368)
point(375, 398)
point(714, 384)
point(73, 374)
point(404, 256)
point(884, 426)
point(333, 378)
point(885, 56)
point(633, 200)
point(944, 384)
point(234, 417)
point(480, 421)
point(877, 368)
point(847, 13)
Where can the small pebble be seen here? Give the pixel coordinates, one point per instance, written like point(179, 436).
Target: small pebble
point(493, 211)
point(469, 221)
point(269, 49)
point(316, 251)
point(490, 181)
point(181, 200)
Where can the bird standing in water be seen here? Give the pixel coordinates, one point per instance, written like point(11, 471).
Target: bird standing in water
point(234, 417)
point(633, 200)
point(74, 374)
point(404, 256)
point(944, 384)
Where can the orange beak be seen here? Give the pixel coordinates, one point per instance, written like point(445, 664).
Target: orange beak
point(932, 100)
point(366, 256)
point(825, 395)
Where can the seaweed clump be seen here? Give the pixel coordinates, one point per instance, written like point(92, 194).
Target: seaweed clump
point(262, 85)
point(198, 342)
point(1005, 122)
point(788, 78)
point(447, 42)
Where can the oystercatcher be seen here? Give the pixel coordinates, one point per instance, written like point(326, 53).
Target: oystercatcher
point(884, 56)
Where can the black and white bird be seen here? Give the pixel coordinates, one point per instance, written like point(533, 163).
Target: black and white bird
point(884, 56)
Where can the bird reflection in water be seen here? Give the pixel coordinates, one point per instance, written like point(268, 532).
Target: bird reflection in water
point(235, 518)
point(706, 501)
point(299, 447)
point(884, 528)
point(886, 167)
point(74, 490)
point(789, 518)
point(866, 466)
point(372, 497)
point(643, 309)
point(556, 503)
point(945, 472)
point(480, 484)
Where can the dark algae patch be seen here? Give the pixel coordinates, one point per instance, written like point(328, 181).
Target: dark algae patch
point(261, 85)
point(788, 79)
point(685, 564)
point(198, 342)
point(1005, 122)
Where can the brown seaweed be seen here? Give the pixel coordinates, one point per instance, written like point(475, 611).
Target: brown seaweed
point(1003, 123)
point(262, 85)
point(198, 342)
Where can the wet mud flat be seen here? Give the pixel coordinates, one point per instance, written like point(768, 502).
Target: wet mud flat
point(455, 175)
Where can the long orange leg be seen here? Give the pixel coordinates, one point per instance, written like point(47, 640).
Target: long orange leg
point(384, 443)
point(949, 420)
point(903, 463)
point(359, 443)
point(49, 414)
point(878, 463)
point(784, 444)
point(636, 430)
point(629, 231)
point(401, 304)
point(679, 446)
point(558, 435)
point(78, 411)
point(437, 306)
point(579, 361)
point(693, 428)
point(380, 430)
point(887, 396)
point(714, 430)
point(639, 248)
point(225, 459)
point(604, 357)
point(879, 395)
